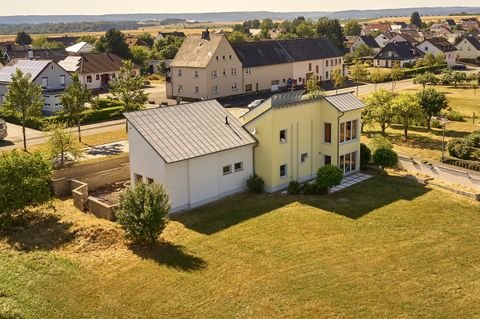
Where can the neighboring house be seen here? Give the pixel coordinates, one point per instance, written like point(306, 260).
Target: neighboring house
point(397, 52)
point(349, 41)
point(439, 46)
point(376, 27)
point(367, 40)
point(65, 40)
point(198, 151)
point(132, 40)
point(18, 52)
point(46, 73)
point(469, 48)
point(397, 26)
point(383, 38)
point(80, 47)
point(208, 66)
point(95, 70)
point(451, 23)
point(468, 24)
point(404, 38)
point(163, 35)
point(296, 137)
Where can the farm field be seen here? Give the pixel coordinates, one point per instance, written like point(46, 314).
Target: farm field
point(386, 248)
point(425, 19)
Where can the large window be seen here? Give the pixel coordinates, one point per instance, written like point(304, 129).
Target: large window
point(348, 131)
point(62, 80)
point(327, 133)
point(45, 82)
point(327, 160)
point(348, 162)
point(283, 171)
point(283, 136)
point(248, 88)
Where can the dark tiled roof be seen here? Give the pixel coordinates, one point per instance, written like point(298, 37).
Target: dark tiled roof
point(100, 62)
point(174, 34)
point(66, 40)
point(370, 41)
point(270, 52)
point(442, 44)
point(401, 51)
point(474, 41)
point(451, 22)
point(39, 54)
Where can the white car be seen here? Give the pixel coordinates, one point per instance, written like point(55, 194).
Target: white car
point(255, 104)
point(3, 129)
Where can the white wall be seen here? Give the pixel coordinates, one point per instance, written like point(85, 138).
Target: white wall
point(193, 182)
point(97, 84)
point(427, 47)
point(467, 51)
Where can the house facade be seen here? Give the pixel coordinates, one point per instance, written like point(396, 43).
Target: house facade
point(438, 46)
point(296, 137)
point(403, 53)
point(46, 73)
point(469, 48)
point(198, 151)
point(367, 40)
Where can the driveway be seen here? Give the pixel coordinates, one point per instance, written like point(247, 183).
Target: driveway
point(15, 134)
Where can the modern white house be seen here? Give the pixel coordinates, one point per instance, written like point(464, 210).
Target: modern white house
point(80, 47)
point(469, 48)
point(198, 151)
point(438, 46)
point(49, 75)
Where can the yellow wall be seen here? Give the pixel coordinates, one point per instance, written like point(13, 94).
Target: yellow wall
point(304, 122)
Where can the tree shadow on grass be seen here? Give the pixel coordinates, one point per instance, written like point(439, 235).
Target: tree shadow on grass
point(36, 231)
point(174, 256)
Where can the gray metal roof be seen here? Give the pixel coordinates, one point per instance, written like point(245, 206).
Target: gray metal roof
point(345, 102)
point(187, 131)
point(32, 67)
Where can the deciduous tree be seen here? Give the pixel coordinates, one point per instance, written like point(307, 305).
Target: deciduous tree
point(432, 103)
point(353, 28)
point(113, 41)
point(61, 143)
point(23, 38)
point(406, 108)
point(379, 109)
point(338, 78)
point(358, 73)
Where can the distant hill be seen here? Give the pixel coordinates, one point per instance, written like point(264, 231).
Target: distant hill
point(236, 16)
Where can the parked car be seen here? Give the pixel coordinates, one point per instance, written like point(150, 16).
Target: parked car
point(3, 129)
point(255, 104)
point(459, 67)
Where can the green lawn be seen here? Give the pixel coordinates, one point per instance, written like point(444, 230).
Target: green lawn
point(386, 248)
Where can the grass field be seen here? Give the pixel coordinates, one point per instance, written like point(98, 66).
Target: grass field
point(387, 248)
point(428, 144)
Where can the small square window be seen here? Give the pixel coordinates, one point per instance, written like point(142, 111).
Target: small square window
point(303, 157)
point(97, 77)
point(149, 180)
point(283, 136)
point(227, 169)
point(238, 166)
point(138, 178)
point(283, 171)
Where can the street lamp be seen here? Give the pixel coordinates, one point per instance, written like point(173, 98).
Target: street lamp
point(444, 122)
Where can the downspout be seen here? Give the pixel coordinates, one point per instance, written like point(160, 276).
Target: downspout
point(338, 138)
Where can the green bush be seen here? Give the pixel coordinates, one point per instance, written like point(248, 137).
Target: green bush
point(313, 189)
point(379, 141)
point(328, 176)
point(385, 157)
point(474, 139)
point(255, 184)
point(101, 103)
point(436, 124)
point(454, 116)
point(459, 147)
point(472, 165)
point(365, 156)
point(107, 114)
point(423, 69)
point(142, 212)
point(293, 188)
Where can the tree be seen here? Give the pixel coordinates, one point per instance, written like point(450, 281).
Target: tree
point(328, 176)
point(43, 43)
point(236, 37)
point(459, 77)
point(396, 73)
point(87, 38)
point(73, 100)
point(266, 24)
point(25, 99)
point(432, 103)
point(264, 34)
point(140, 55)
point(313, 89)
point(358, 73)
point(142, 212)
point(331, 29)
point(147, 38)
point(385, 157)
point(337, 78)
point(425, 78)
point(24, 181)
point(407, 109)
point(129, 89)
point(352, 28)
point(305, 30)
point(416, 19)
point(23, 38)
point(378, 109)
point(376, 77)
point(458, 147)
point(167, 48)
point(361, 51)
point(113, 41)
point(62, 143)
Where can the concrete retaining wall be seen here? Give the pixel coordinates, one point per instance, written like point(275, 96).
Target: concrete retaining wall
point(79, 194)
point(101, 209)
point(440, 171)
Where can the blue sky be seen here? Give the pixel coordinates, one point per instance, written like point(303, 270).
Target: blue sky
point(27, 7)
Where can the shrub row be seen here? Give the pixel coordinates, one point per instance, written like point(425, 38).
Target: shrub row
point(100, 104)
point(472, 165)
point(423, 69)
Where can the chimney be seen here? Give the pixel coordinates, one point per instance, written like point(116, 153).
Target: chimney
point(206, 35)
point(30, 54)
point(226, 120)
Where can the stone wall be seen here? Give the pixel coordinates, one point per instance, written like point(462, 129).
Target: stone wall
point(79, 194)
point(101, 209)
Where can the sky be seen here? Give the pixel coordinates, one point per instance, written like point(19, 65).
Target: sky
point(92, 7)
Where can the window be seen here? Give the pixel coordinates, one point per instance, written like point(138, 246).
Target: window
point(317, 69)
point(327, 63)
point(62, 80)
point(149, 180)
point(248, 88)
point(224, 72)
point(326, 75)
point(217, 57)
point(227, 170)
point(348, 131)
point(327, 132)
point(234, 71)
point(44, 82)
point(215, 89)
point(327, 160)
point(283, 136)
point(348, 162)
point(89, 79)
point(197, 90)
point(276, 82)
point(299, 80)
point(195, 74)
point(138, 178)
point(234, 87)
point(223, 57)
point(283, 171)
point(309, 67)
point(180, 88)
point(113, 75)
point(179, 72)
point(248, 71)
point(214, 74)
point(230, 56)
point(97, 77)
point(303, 157)
point(238, 166)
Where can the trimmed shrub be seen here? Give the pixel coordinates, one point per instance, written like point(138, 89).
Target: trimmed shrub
point(474, 139)
point(472, 165)
point(379, 141)
point(454, 116)
point(328, 176)
point(458, 147)
point(142, 212)
point(313, 189)
point(255, 184)
point(385, 157)
point(99, 104)
point(107, 114)
point(435, 124)
point(365, 156)
point(293, 188)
